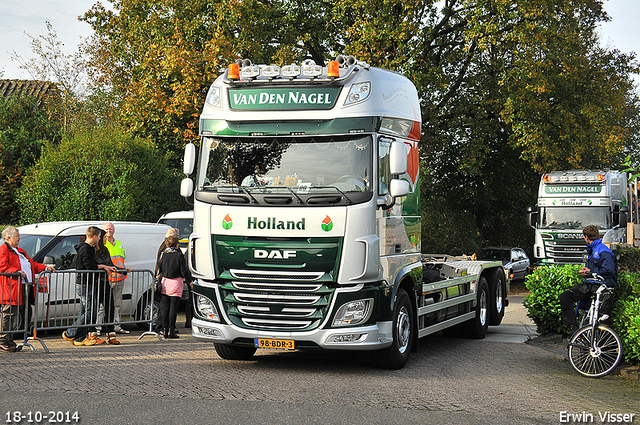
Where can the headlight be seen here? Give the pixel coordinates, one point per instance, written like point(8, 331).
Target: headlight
point(213, 97)
point(205, 308)
point(353, 313)
point(358, 93)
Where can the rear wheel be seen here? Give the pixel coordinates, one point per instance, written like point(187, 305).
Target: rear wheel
point(397, 355)
point(595, 360)
point(497, 299)
point(477, 327)
point(234, 352)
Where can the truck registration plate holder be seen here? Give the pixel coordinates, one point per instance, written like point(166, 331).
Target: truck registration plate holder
point(274, 344)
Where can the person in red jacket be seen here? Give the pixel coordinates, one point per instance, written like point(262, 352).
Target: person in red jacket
point(14, 260)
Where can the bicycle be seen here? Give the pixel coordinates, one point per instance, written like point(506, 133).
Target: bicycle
point(595, 349)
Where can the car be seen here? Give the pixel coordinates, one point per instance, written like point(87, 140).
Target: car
point(513, 259)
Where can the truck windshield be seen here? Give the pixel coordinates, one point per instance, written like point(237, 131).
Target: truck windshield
point(299, 165)
point(563, 218)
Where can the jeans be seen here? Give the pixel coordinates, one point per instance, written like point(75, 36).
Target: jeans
point(88, 311)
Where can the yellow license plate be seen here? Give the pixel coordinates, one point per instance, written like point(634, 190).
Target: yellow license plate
point(278, 344)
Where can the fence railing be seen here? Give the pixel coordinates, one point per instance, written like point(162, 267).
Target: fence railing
point(73, 298)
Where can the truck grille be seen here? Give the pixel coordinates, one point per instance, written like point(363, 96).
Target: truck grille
point(278, 306)
point(565, 252)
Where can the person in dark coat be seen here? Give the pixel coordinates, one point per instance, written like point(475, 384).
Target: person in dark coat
point(173, 269)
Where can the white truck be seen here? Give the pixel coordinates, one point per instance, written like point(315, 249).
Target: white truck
point(306, 228)
point(570, 200)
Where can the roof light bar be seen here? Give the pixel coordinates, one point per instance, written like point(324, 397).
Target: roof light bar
point(270, 71)
point(291, 71)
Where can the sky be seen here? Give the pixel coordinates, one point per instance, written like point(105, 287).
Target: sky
point(622, 32)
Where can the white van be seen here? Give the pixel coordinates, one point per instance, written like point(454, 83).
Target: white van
point(183, 221)
point(54, 242)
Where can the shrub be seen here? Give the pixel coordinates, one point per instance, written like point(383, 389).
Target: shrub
point(99, 175)
point(545, 285)
point(626, 315)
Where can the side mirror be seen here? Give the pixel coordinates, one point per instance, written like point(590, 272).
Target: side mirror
point(531, 217)
point(49, 260)
point(186, 187)
point(189, 158)
point(399, 188)
point(397, 158)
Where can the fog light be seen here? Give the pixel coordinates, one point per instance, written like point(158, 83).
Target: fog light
point(206, 309)
point(353, 313)
point(208, 331)
point(346, 338)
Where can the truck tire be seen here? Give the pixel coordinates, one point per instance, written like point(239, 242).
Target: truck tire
point(477, 327)
point(397, 355)
point(234, 352)
point(498, 295)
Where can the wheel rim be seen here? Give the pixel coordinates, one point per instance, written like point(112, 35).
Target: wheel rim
point(499, 295)
point(595, 360)
point(483, 308)
point(403, 329)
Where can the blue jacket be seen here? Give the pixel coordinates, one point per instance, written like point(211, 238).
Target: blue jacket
point(602, 261)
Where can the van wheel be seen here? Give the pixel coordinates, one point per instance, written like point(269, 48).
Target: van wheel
point(477, 327)
point(144, 312)
point(397, 355)
point(234, 352)
point(497, 299)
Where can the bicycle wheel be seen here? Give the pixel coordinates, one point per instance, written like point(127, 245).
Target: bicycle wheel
point(599, 360)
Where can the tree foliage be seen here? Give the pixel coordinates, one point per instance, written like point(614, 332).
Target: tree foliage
point(102, 174)
point(24, 125)
point(509, 89)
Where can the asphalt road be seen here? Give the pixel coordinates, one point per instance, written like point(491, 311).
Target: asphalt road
point(498, 380)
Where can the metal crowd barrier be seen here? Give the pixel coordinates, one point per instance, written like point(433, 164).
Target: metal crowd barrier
point(59, 301)
point(17, 323)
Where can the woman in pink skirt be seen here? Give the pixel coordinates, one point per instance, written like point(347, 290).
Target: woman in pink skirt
point(174, 272)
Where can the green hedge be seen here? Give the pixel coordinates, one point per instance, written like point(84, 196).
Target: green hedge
point(547, 283)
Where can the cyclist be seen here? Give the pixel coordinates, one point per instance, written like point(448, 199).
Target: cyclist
point(600, 262)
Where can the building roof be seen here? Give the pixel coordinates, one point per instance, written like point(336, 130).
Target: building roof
point(39, 89)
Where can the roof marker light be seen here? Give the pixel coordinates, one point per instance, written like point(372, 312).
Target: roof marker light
point(333, 69)
point(234, 71)
point(291, 71)
point(310, 69)
point(271, 71)
point(251, 71)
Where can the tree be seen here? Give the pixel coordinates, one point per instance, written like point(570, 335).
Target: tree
point(24, 126)
point(51, 64)
point(101, 174)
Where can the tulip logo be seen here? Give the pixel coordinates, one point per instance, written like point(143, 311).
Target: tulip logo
point(227, 222)
point(327, 224)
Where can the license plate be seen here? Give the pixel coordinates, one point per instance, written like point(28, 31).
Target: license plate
point(278, 344)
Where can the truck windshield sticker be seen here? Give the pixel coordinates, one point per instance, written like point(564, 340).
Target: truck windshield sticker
point(573, 189)
point(283, 98)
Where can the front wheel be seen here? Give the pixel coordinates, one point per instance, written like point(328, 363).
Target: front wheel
point(234, 352)
point(397, 355)
point(595, 352)
point(498, 296)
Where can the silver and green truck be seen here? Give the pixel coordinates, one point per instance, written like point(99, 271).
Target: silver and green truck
point(570, 200)
point(306, 230)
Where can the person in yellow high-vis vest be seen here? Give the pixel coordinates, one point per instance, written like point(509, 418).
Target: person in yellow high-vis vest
point(116, 279)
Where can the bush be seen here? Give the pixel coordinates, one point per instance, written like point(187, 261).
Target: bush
point(99, 175)
point(545, 285)
point(543, 304)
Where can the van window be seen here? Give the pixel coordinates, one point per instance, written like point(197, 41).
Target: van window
point(184, 226)
point(32, 244)
point(64, 252)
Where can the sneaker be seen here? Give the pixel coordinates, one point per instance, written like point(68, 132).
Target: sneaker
point(86, 341)
point(94, 336)
point(122, 331)
point(66, 338)
point(7, 348)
